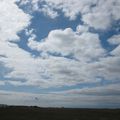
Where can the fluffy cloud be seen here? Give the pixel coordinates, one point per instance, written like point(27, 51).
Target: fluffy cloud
point(116, 51)
point(108, 68)
point(66, 57)
point(10, 24)
point(12, 21)
point(11, 16)
point(81, 29)
point(67, 42)
point(102, 14)
point(50, 70)
point(99, 14)
point(115, 40)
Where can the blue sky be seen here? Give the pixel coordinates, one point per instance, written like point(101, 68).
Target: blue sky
point(60, 52)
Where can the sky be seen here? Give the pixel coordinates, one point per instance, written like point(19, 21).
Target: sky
point(60, 53)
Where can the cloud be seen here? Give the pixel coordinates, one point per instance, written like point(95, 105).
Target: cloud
point(93, 20)
point(82, 58)
point(11, 16)
point(106, 90)
point(108, 68)
point(66, 57)
point(67, 42)
point(59, 100)
point(49, 12)
point(115, 40)
point(10, 24)
point(2, 82)
point(81, 29)
point(116, 51)
point(103, 14)
point(99, 14)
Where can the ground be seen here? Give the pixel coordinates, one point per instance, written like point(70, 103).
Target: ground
point(36, 113)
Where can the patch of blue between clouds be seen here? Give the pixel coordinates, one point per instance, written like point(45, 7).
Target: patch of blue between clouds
point(104, 35)
point(43, 25)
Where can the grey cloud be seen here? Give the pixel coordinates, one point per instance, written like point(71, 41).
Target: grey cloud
point(106, 90)
point(59, 100)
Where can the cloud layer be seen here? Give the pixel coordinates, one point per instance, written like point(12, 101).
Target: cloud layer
point(68, 44)
point(66, 57)
point(98, 14)
point(59, 100)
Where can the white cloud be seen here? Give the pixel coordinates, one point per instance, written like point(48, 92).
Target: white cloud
point(108, 68)
point(116, 51)
point(81, 29)
point(90, 62)
point(49, 12)
point(86, 48)
point(107, 90)
point(67, 42)
point(10, 20)
point(48, 70)
point(97, 20)
point(115, 40)
point(99, 14)
point(72, 8)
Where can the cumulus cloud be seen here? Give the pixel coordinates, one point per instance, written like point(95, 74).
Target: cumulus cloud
point(99, 14)
point(108, 68)
point(2, 82)
point(81, 29)
point(115, 40)
point(12, 21)
point(47, 70)
point(67, 42)
point(10, 24)
point(66, 57)
point(11, 16)
point(82, 57)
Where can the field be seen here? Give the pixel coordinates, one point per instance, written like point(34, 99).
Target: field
point(36, 113)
